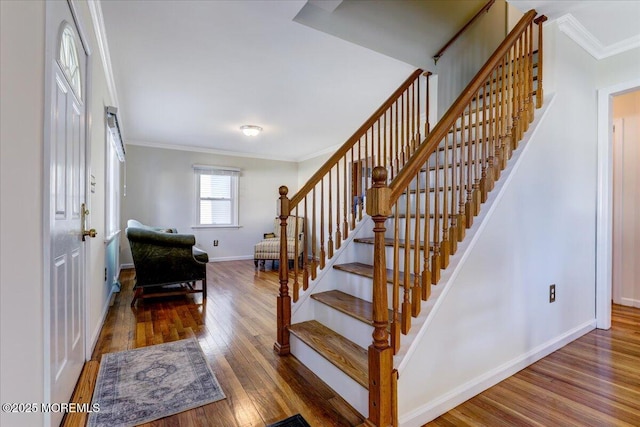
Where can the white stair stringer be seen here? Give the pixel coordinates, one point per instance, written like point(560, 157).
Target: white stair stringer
point(411, 341)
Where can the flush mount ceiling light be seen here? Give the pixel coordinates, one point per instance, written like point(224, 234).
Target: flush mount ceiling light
point(250, 130)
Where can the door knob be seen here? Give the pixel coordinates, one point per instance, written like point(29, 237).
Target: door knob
point(83, 222)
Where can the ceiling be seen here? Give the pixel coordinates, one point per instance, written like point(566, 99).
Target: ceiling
point(190, 73)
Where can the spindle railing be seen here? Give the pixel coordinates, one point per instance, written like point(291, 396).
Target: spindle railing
point(332, 201)
point(435, 197)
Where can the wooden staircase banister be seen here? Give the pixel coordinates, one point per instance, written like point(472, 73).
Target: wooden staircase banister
point(412, 167)
point(484, 9)
point(344, 149)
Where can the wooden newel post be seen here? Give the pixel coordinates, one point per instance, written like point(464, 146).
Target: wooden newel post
point(284, 299)
point(380, 352)
point(539, 94)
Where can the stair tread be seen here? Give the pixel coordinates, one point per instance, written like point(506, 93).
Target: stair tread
point(348, 304)
point(366, 270)
point(390, 241)
point(344, 354)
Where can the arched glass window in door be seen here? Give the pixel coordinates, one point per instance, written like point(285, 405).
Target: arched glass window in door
point(68, 59)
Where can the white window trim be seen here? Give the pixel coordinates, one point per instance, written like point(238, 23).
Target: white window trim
point(235, 202)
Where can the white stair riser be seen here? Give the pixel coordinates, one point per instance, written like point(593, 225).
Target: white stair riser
point(356, 395)
point(361, 287)
point(349, 327)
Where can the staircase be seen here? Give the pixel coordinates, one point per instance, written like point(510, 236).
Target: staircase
point(371, 261)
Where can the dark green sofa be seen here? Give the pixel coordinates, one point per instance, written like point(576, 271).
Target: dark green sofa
point(166, 262)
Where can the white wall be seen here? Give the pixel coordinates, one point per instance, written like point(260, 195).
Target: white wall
point(21, 218)
point(463, 59)
point(161, 192)
point(626, 200)
point(21, 266)
point(497, 312)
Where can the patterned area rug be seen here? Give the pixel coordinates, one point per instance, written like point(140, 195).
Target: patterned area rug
point(148, 383)
point(295, 421)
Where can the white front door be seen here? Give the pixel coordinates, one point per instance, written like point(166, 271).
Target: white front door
point(67, 177)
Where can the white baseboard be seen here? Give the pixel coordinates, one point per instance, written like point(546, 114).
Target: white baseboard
point(125, 266)
point(100, 324)
point(230, 258)
point(630, 302)
point(455, 397)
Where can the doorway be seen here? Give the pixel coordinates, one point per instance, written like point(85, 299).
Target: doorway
point(604, 205)
point(626, 199)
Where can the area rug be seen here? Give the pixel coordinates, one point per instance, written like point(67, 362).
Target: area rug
point(148, 383)
point(295, 421)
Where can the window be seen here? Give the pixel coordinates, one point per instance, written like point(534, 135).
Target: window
point(68, 59)
point(114, 157)
point(217, 196)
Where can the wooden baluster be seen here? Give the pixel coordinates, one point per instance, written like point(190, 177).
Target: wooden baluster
point(497, 118)
point(520, 126)
point(468, 205)
point(477, 143)
point(387, 157)
point(314, 246)
point(397, 142)
point(296, 284)
point(396, 324)
point(426, 273)
point(305, 259)
point(361, 184)
point(484, 186)
point(380, 160)
point(338, 234)
point(345, 195)
point(427, 123)
point(454, 229)
point(539, 93)
point(416, 293)
point(449, 229)
point(530, 75)
point(330, 218)
point(406, 304)
point(353, 207)
point(504, 113)
point(510, 97)
point(406, 120)
point(380, 353)
point(435, 259)
point(283, 305)
point(491, 146)
point(462, 218)
point(410, 118)
point(516, 97)
point(418, 127)
point(526, 91)
point(496, 134)
point(404, 155)
point(322, 207)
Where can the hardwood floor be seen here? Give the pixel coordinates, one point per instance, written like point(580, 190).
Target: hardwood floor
point(594, 381)
point(236, 330)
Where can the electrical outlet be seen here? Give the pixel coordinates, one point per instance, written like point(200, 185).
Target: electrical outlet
point(215, 243)
point(552, 293)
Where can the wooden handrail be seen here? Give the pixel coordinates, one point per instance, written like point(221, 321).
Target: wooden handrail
point(324, 169)
point(484, 9)
point(412, 167)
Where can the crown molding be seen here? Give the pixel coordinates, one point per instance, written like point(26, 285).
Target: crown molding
point(95, 10)
point(570, 26)
point(206, 150)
